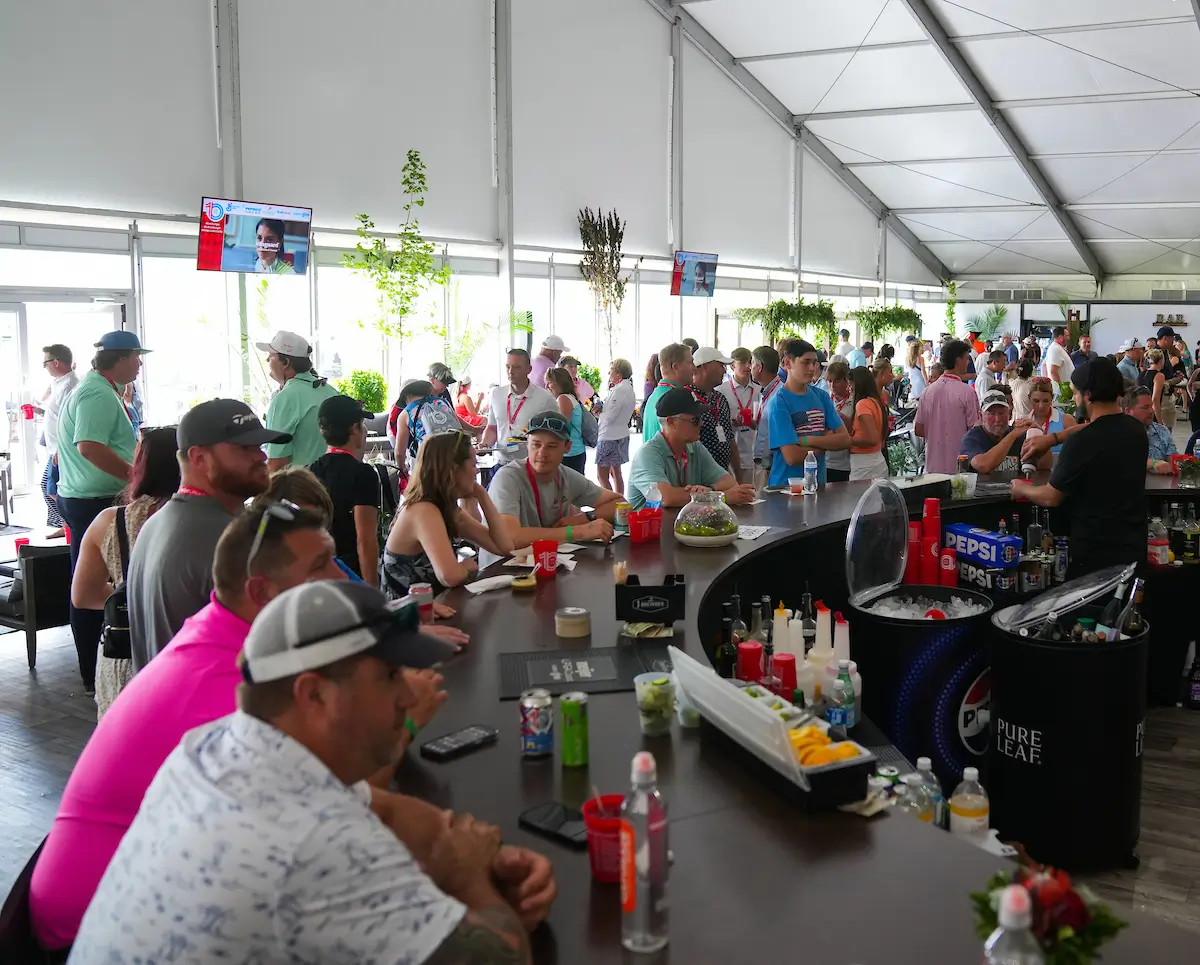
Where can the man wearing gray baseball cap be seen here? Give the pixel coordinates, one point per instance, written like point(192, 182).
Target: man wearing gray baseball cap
point(262, 820)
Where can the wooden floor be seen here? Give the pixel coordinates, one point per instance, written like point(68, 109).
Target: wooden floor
point(45, 720)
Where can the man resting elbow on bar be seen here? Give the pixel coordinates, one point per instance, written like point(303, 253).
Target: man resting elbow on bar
point(675, 461)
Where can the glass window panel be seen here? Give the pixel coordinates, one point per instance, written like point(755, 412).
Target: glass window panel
point(64, 269)
point(348, 335)
point(659, 325)
point(477, 308)
point(575, 320)
point(273, 304)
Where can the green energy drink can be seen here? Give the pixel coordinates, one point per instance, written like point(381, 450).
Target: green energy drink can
point(891, 774)
point(574, 711)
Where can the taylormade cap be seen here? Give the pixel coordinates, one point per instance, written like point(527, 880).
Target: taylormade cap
point(224, 420)
point(993, 398)
point(317, 624)
point(121, 341)
point(707, 353)
point(286, 343)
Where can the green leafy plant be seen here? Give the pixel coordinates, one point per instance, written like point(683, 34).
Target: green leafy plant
point(783, 319)
point(989, 323)
point(951, 301)
point(877, 321)
point(591, 375)
point(403, 270)
point(602, 236)
point(465, 335)
point(366, 385)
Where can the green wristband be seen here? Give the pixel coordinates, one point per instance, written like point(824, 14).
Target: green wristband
point(804, 442)
point(412, 726)
point(569, 528)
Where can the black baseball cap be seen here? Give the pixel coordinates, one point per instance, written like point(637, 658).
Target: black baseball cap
point(317, 624)
point(1166, 332)
point(224, 420)
point(341, 410)
point(551, 421)
point(677, 402)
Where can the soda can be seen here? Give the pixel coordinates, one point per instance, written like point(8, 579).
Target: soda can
point(1062, 557)
point(574, 729)
point(890, 774)
point(537, 723)
point(621, 516)
point(948, 574)
point(1005, 581)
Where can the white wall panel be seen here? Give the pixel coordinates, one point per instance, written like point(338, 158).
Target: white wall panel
point(1121, 322)
point(959, 19)
point(371, 79)
point(1124, 126)
point(590, 88)
point(1025, 66)
point(1104, 180)
point(108, 104)
point(904, 137)
point(748, 27)
point(840, 236)
point(917, 76)
point(904, 267)
point(737, 170)
point(991, 182)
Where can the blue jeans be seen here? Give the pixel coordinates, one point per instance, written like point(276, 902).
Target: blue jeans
point(86, 625)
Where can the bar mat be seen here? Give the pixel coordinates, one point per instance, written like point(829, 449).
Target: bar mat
point(594, 670)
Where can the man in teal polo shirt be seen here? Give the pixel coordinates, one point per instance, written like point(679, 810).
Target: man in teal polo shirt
point(294, 407)
point(677, 370)
point(676, 462)
point(95, 455)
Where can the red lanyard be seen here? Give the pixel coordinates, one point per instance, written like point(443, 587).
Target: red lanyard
point(537, 496)
point(681, 467)
point(121, 399)
point(769, 391)
point(733, 388)
point(714, 407)
point(948, 375)
point(512, 415)
point(192, 491)
point(344, 452)
point(669, 385)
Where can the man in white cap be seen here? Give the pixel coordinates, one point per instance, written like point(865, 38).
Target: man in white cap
point(994, 446)
point(552, 350)
point(263, 821)
point(293, 408)
point(1130, 365)
point(716, 420)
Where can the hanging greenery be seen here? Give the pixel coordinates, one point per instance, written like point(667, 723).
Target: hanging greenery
point(878, 321)
point(403, 269)
point(799, 319)
point(951, 301)
point(602, 236)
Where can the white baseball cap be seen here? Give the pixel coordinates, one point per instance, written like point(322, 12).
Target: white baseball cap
point(707, 353)
point(554, 342)
point(993, 398)
point(1129, 343)
point(286, 343)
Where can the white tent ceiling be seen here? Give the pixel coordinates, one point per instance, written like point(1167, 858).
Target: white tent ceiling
point(1093, 162)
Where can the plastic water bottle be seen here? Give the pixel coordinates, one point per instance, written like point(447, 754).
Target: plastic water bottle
point(1028, 467)
point(810, 472)
point(969, 807)
point(1014, 943)
point(914, 799)
point(843, 695)
point(644, 860)
point(654, 497)
point(934, 788)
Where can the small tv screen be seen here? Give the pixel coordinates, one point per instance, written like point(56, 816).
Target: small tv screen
point(264, 239)
point(695, 273)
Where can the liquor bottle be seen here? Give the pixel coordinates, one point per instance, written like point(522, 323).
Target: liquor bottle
point(1191, 697)
point(1174, 523)
point(769, 678)
point(1135, 623)
point(808, 616)
point(1110, 619)
point(1050, 629)
point(1047, 536)
point(1002, 529)
point(1191, 537)
point(755, 623)
point(1033, 535)
point(645, 860)
point(761, 618)
point(1014, 528)
point(741, 632)
point(725, 658)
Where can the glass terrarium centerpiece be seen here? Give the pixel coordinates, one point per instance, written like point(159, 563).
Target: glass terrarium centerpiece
point(706, 521)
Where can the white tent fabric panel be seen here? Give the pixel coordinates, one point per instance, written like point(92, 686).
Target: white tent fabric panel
point(918, 76)
point(907, 137)
point(1117, 223)
point(904, 267)
point(737, 171)
point(1148, 258)
point(840, 236)
point(1138, 125)
point(1034, 224)
point(577, 141)
point(108, 105)
point(1027, 257)
point(1125, 178)
point(748, 27)
point(998, 181)
point(332, 130)
point(959, 18)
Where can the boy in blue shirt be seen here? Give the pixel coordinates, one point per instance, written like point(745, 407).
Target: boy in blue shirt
point(801, 416)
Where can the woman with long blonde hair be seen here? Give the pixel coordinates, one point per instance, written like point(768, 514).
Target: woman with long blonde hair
point(420, 546)
point(914, 368)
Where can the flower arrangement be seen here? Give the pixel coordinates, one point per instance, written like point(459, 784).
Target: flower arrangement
point(1070, 922)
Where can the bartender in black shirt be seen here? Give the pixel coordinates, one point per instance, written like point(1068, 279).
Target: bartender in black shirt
point(1100, 476)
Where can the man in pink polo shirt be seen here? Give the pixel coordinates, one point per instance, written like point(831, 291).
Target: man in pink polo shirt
point(948, 410)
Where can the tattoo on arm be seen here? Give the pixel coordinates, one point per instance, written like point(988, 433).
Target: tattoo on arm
point(491, 935)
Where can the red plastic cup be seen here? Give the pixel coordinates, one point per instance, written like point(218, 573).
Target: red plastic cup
point(931, 519)
point(948, 570)
point(930, 560)
point(67, 533)
point(785, 670)
point(19, 542)
point(604, 836)
point(545, 555)
point(27, 411)
point(750, 660)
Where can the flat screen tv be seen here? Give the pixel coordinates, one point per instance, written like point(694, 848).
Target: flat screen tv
point(267, 239)
point(695, 273)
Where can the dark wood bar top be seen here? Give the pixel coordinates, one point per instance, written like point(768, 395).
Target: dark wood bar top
point(754, 876)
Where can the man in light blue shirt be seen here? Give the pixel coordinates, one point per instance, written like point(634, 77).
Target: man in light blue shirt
point(802, 417)
point(1139, 403)
point(1130, 365)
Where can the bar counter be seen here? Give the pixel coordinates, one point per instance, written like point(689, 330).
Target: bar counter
point(753, 876)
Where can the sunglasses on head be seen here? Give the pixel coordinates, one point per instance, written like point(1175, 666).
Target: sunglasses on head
point(282, 510)
point(549, 424)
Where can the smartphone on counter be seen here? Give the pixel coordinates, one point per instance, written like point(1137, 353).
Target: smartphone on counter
point(556, 821)
point(460, 742)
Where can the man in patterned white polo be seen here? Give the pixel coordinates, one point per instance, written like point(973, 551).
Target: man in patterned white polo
point(256, 842)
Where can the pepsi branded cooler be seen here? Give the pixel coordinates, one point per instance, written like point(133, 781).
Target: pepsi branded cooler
point(982, 546)
point(926, 683)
